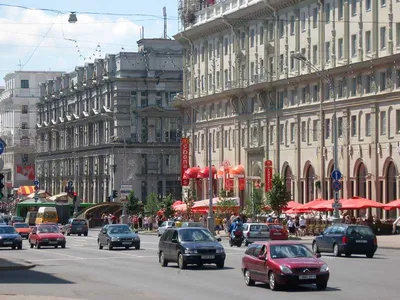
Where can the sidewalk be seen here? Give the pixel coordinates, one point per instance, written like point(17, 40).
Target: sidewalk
point(15, 264)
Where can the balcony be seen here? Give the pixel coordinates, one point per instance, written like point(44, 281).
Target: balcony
point(21, 93)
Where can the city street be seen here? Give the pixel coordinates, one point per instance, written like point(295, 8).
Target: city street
point(82, 271)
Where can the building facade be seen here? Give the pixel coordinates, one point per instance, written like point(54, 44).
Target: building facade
point(18, 113)
point(260, 103)
point(110, 123)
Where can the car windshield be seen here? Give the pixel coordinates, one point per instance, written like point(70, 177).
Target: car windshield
point(119, 229)
point(21, 225)
point(7, 230)
point(78, 222)
point(259, 227)
point(289, 251)
point(359, 231)
point(47, 229)
point(275, 226)
point(195, 235)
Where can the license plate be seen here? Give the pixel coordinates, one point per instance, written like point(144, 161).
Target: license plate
point(306, 277)
point(277, 233)
point(126, 243)
point(361, 241)
point(7, 243)
point(207, 257)
point(53, 242)
point(79, 229)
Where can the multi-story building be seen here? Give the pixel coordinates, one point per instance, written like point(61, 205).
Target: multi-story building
point(260, 103)
point(18, 114)
point(110, 123)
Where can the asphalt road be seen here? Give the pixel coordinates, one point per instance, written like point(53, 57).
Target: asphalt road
point(82, 271)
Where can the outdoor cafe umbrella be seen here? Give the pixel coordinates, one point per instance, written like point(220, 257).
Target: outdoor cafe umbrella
point(360, 203)
point(309, 206)
point(392, 205)
point(292, 204)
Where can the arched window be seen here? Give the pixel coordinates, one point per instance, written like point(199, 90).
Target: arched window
point(391, 186)
point(288, 180)
point(361, 182)
point(309, 184)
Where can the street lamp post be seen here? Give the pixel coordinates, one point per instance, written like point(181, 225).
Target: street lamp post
point(301, 57)
point(210, 218)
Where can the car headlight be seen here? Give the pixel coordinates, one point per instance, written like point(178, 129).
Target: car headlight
point(220, 250)
point(190, 251)
point(136, 238)
point(18, 238)
point(324, 268)
point(285, 270)
point(114, 239)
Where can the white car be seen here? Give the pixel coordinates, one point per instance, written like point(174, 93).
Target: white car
point(253, 232)
point(164, 226)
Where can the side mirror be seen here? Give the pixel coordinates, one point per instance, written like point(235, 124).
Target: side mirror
point(175, 241)
point(318, 255)
point(262, 257)
point(219, 239)
point(104, 231)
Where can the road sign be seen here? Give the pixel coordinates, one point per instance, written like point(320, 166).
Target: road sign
point(1, 147)
point(336, 175)
point(70, 183)
point(36, 182)
point(1, 164)
point(336, 205)
point(336, 185)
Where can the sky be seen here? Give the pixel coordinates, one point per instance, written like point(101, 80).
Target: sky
point(38, 40)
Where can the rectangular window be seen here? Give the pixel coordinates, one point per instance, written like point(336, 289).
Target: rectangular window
point(327, 13)
point(354, 45)
point(353, 7)
point(202, 83)
point(383, 37)
point(218, 138)
point(281, 62)
point(210, 51)
point(398, 121)
point(353, 126)
point(210, 81)
point(281, 28)
point(292, 25)
point(303, 131)
point(340, 7)
point(24, 84)
point(368, 41)
point(218, 79)
point(368, 5)
point(158, 99)
point(292, 95)
point(383, 81)
point(24, 125)
point(261, 35)
point(315, 54)
point(340, 126)
point(202, 141)
point(291, 60)
point(315, 17)
point(217, 48)
point(226, 46)
point(303, 52)
point(383, 3)
point(281, 133)
point(327, 51)
point(303, 21)
point(383, 122)
point(292, 133)
point(327, 128)
point(315, 93)
point(368, 81)
point(340, 48)
point(202, 53)
point(252, 38)
point(243, 40)
point(354, 87)
point(271, 31)
point(303, 95)
point(367, 124)
point(271, 134)
point(397, 34)
point(24, 109)
point(315, 130)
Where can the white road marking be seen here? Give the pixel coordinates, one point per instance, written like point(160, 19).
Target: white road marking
point(61, 254)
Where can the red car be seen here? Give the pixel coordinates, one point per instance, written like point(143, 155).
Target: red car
point(277, 232)
point(283, 263)
point(46, 235)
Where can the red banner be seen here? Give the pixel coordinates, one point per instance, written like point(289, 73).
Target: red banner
point(268, 173)
point(184, 160)
point(229, 182)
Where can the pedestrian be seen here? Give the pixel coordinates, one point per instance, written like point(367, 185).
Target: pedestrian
point(109, 217)
point(140, 221)
point(104, 218)
point(146, 224)
point(150, 222)
point(292, 227)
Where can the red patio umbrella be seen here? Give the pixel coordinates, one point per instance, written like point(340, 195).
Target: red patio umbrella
point(324, 205)
point(177, 202)
point(293, 204)
point(392, 205)
point(311, 205)
point(360, 203)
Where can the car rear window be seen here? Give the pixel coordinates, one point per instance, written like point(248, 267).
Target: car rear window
point(21, 225)
point(360, 231)
point(78, 222)
point(275, 226)
point(259, 227)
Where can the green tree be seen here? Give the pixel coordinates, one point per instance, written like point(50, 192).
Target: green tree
point(278, 196)
point(134, 205)
point(153, 204)
point(255, 203)
point(167, 206)
point(189, 201)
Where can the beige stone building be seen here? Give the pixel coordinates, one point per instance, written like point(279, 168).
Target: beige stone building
point(260, 103)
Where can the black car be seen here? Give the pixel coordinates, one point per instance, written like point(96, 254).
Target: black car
point(346, 239)
point(118, 235)
point(9, 237)
point(76, 226)
point(16, 219)
point(190, 245)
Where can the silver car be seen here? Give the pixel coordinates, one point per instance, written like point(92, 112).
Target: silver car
point(164, 226)
point(255, 232)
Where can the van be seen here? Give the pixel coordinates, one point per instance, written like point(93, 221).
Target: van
point(46, 215)
point(31, 218)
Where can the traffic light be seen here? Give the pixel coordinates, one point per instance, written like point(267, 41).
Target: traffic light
point(75, 194)
point(115, 194)
point(1, 186)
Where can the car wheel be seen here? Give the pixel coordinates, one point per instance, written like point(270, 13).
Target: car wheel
point(200, 264)
point(37, 245)
point(100, 245)
point(322, 285)
point(272, 281)
point(63, 246)
point(162, 260)
point(158, 234)
point(13, 247)
point(220, 265)
point(348, 254)
point(336, 251)
point(315, 248)
point(68, 233)
point(56, 246)
point(29, 241)
point(137, 247)
point(246, 243)
point(247, 278)
point(109, 246)
point(181, 262)
point(86, 234)
point(127, 248)
point(79, 234)
point(20, 247)
point(370, 255)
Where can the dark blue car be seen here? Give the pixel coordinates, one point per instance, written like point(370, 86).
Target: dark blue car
point(9, 237)
point(346, 239)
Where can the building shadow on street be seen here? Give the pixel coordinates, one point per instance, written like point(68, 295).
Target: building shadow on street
point(203, 268)
point(30, 277)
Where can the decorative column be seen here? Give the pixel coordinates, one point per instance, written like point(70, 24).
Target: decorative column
point(94, 189)
point(104, 191)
